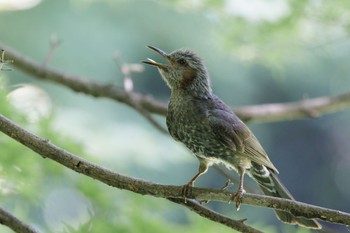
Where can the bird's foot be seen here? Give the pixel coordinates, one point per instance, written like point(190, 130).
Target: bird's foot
point(204, 202)
point(237, 197)
point(187, 190)
point(242, 220)
point(227, 184)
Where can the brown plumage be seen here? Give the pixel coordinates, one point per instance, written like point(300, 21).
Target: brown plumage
point(209, 128)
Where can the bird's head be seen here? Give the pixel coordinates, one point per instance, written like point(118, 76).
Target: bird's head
point(184, 72)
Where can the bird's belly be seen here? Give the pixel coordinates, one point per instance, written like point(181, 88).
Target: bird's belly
point(233, 162)
point(215, 160)
point(204, 143)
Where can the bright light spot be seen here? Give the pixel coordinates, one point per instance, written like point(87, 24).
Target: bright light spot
point(32, 101)
point(12, 5)
point(258, 10)
point(8, 187)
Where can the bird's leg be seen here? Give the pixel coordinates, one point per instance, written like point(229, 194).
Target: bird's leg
point(240, 191)
point(203, 168)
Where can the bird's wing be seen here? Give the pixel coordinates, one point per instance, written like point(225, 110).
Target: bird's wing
point(236, 135)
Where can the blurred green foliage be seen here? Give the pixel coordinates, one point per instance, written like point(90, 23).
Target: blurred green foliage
point(256, 52)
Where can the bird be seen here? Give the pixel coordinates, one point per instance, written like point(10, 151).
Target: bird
point(209, 128)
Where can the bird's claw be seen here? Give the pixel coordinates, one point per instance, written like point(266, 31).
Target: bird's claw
point(227, 184)
point(242, 220)
point(237, 197)
point(204, 202)
point(187, 190)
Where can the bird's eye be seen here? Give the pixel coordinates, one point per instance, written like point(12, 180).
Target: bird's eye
point(182, 62)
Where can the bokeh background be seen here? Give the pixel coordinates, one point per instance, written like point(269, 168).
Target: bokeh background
point(256, 52)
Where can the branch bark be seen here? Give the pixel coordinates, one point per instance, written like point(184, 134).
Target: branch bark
point(214, 216)
point(14, 223)
point(69, 160)
point(47, 150)
point(308, 108)
point(256, 113)
point(83, 84)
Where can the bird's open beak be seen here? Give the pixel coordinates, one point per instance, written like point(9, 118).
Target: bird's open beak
point(154, 63)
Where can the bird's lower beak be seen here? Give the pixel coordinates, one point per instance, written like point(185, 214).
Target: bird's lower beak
point(154, 63)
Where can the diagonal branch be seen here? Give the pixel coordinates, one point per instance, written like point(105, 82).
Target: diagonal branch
point(214, 216)
point(69, 160)
point(14, 223)
point(314, 107)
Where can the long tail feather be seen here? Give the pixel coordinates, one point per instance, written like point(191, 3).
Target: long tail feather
point(272, 186)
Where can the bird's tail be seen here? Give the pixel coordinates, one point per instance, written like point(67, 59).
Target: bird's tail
point(272, 186)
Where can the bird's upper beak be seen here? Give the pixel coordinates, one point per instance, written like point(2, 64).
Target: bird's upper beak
point(154, 63)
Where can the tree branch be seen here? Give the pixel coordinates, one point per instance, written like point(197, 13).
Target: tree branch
point(307, 108)
point(69, 160)
point(214, 216)
point(258, 113)
point(14, 223)
point(48, 150)
point(83, 84)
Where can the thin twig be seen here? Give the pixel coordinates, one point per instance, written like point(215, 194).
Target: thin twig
point(126, 69)
point(3, 61)
point(214, 216)
point(54, 43)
